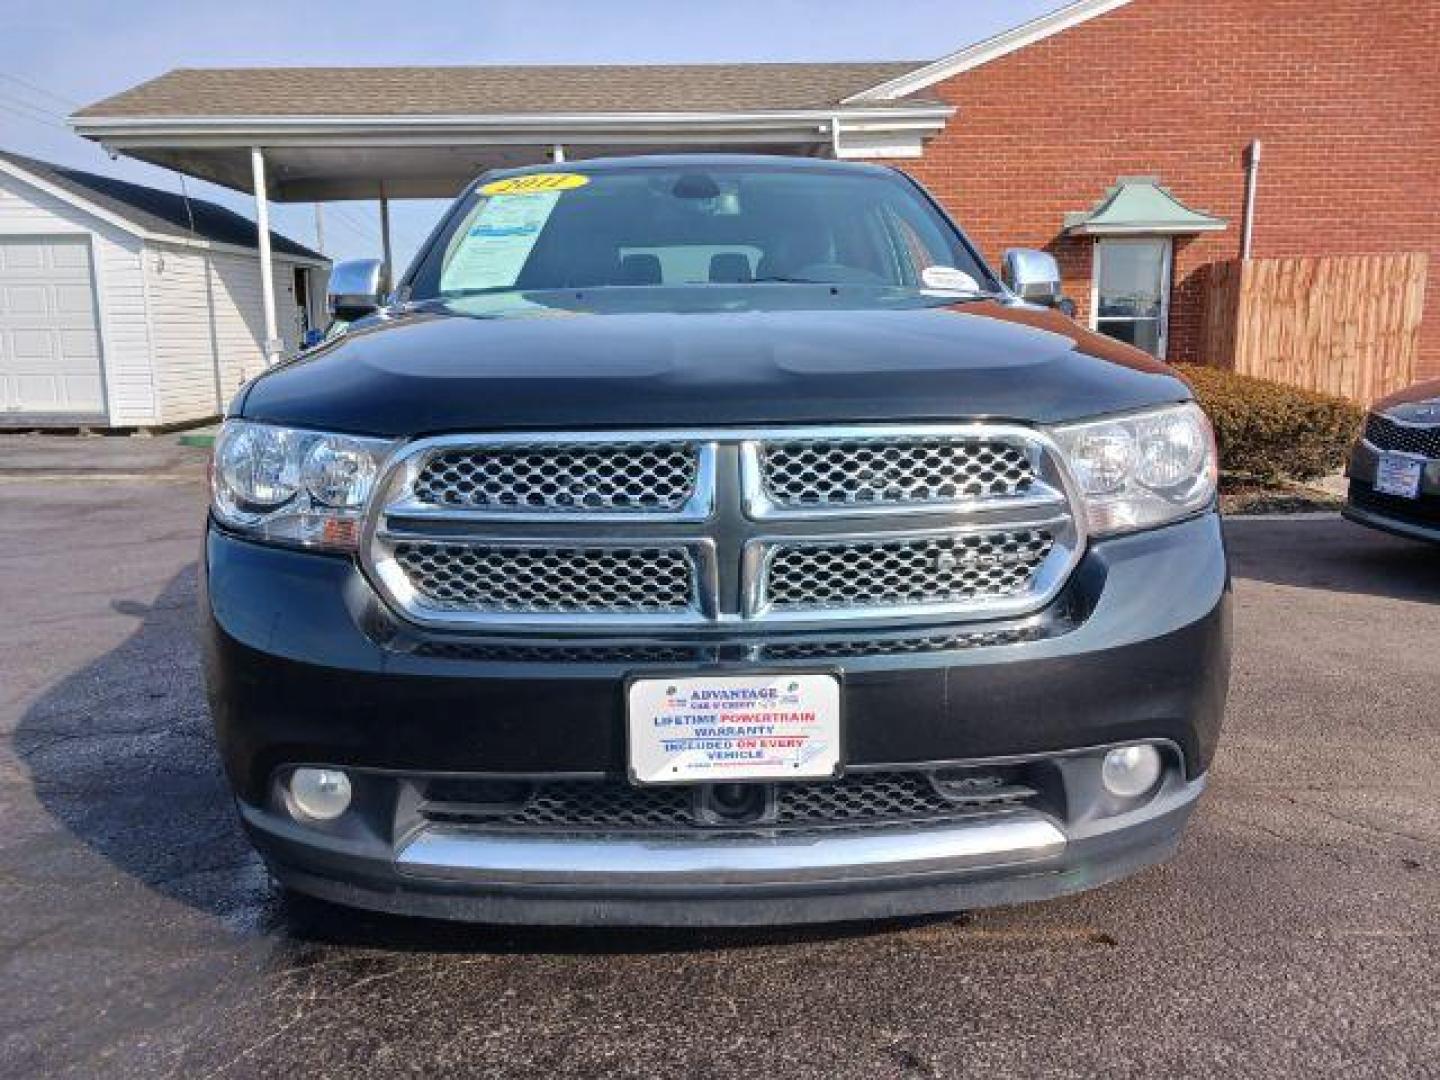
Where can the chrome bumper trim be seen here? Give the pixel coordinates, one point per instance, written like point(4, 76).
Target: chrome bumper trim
point(472, 855)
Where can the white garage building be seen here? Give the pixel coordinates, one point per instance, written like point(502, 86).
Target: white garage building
point(126, 306)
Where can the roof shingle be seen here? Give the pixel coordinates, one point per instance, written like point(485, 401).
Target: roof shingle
point(163, 213)
point(501, 90)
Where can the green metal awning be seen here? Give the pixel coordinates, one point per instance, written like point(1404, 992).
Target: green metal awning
point(1139, 205)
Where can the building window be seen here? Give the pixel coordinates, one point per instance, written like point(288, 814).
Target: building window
point(1131, 299)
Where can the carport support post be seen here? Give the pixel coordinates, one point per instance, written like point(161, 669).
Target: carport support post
point(273, 345)
point(389, 277)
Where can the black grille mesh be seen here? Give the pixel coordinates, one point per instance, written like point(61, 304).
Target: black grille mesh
point(892, 471)
point(936, 570)
point(563, 478)
point(549, 580)
point(1388, 435)
point(860, 799)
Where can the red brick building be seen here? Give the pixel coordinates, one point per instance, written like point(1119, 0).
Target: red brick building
point(1025, 136)
point(1344, 96)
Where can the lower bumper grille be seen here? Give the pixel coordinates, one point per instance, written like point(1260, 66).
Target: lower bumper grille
point(860, 800)
point(777, 650)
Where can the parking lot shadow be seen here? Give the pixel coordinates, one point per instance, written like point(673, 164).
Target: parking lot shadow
point(1335, 555)
point(121, 753)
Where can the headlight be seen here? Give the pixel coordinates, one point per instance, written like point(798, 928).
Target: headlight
point(1143, 469)
point(296, 487)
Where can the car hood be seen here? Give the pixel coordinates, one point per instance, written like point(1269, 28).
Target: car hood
point(1419, 404)
point(810, 356)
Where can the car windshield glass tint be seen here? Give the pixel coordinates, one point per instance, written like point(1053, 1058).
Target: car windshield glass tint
point(696, 225)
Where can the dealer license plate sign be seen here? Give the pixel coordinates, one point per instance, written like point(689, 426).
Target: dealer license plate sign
point(733, 728)
point(1399, 474)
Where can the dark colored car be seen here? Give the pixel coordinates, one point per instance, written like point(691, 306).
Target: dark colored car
point(1395, 465)
point(712, 540)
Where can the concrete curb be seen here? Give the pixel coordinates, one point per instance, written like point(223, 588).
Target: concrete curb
point(1303, 515)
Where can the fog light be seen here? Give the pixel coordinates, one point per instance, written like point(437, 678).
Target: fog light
point(320, 794)
point(1129, 771)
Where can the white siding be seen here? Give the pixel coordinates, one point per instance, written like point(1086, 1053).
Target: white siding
point(208, 321)
point(26, 210)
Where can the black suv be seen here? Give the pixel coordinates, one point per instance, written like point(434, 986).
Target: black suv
point(712, 540)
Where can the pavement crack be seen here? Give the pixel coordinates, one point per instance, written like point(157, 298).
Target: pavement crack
point(1379, 830)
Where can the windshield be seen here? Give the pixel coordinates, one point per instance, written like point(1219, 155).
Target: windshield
point(684, 225)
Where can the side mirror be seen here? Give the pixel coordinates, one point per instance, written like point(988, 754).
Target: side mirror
point(312, 338)
point(1033, 276)
point(354, 290)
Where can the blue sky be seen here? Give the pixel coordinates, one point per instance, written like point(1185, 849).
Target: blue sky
point(57, 55)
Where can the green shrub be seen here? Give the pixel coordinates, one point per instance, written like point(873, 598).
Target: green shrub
point(1271, 431)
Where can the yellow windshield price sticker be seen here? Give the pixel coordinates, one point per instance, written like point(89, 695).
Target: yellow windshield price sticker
point(535, 183)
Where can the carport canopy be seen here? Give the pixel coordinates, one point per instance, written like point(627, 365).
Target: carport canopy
point(321, 134)
point(418, 132)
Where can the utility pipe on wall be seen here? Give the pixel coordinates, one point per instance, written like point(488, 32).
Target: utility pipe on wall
point(1252, 180)
point(273, 345)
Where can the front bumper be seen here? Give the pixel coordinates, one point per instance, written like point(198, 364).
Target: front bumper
point(727, 880)
point(1415, 519)
point(306, 666)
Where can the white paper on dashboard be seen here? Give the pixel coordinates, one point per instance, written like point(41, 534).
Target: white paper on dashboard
point(499, 241)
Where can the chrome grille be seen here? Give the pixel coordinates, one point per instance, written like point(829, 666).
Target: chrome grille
point(561, 477)
point(550, 580)
point(697, 528)
point(894, 471)
point(1385, 434)
point(949, 569)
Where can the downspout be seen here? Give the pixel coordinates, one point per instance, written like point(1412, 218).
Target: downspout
point(1252, 181)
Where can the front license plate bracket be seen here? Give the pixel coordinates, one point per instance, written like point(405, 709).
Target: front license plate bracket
point(727, 728)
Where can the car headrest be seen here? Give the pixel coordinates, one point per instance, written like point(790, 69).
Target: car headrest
point(729, 268)
point(640, 270)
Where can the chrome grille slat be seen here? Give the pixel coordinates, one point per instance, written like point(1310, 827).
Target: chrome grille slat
point(562, 478)
point(894, 471)
point(534, 579)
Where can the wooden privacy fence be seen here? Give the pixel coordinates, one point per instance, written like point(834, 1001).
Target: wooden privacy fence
point(1346, 325)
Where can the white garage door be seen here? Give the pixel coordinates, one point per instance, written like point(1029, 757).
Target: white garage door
point(49, 340)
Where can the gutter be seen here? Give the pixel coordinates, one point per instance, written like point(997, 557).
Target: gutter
point(125, 130)
point(125, 225)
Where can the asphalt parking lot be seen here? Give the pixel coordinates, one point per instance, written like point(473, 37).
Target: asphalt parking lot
point(1298, 931)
